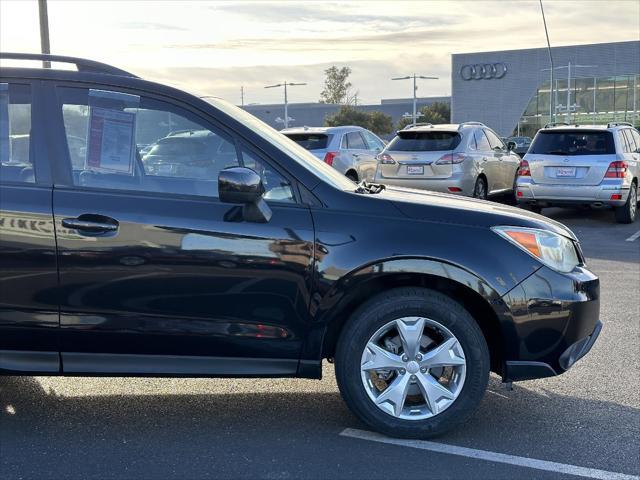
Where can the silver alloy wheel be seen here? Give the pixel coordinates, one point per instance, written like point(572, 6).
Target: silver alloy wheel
point(633, 202)
point(480, 190)
point(413, 368)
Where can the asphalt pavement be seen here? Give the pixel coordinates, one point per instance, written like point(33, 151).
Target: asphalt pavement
point(589, 418)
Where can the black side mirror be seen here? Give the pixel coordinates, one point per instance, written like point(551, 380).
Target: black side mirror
point(243, 186)
point(511, 146)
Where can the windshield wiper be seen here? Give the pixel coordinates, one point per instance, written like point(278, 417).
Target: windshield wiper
point(370, 188)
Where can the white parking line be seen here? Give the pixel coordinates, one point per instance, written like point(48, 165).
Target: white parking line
point(633, 237)
point(489, 456)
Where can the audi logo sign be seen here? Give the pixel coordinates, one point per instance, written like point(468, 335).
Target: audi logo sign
point(483, 71)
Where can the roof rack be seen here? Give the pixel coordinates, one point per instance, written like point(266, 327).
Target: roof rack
point(557, 124)
point(619, 124)
point(410, 126)
point(469, 124)
point(83, 65)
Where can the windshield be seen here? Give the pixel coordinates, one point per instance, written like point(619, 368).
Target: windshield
point(310, 141)
point(309, 161)
point(424, 141)
point(559, 142)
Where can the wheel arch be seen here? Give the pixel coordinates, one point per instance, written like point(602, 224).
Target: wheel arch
point(476, 295)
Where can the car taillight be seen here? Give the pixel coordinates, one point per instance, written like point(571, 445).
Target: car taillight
point(386, 159)
point(450, 158)
point(328, 158)
point(523, 169)
point(616, 169)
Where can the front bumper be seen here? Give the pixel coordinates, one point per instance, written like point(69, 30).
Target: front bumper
point(529, 192)
point(554, 323)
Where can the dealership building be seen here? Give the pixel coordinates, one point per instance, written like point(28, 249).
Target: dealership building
point(510, 90)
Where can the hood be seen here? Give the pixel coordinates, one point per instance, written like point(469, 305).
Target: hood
point(446, 208)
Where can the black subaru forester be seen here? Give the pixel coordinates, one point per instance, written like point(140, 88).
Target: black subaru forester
point(147, 232)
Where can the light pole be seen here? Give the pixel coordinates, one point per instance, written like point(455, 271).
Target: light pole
point(568, 67)
point(44, 30)
point(415, 89)
point(552, 108)
point(286, 101)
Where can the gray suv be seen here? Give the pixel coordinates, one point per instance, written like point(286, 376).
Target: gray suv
point(351, 150)
point(588, 165)
point(464, 159)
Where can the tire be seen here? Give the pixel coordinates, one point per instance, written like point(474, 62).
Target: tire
point(629, 211)
point(480, 188)
point(352, 176)
point(353, 350)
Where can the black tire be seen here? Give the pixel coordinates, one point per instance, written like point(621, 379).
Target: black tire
point(629, 211)
point(480, 188)
point(352, 176)
point(394, 304)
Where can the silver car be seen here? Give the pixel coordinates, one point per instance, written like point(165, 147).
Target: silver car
point(464, 159)
point(351, 150)
point(588, 165)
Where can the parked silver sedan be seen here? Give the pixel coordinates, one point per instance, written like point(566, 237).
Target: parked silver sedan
point(351, 150)
point(583, 165)
point(464, 159)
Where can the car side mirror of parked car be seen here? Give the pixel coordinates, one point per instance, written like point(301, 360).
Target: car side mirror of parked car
point(243, 186)
point(511, 146)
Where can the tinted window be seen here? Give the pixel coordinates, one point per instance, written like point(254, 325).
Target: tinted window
point(310, 141)
point(631, 144)
point(141, 144)
point(482, 143)
point(424, 141)
point(494, 140)
point(16, 164)
point(573, 143)
point(373, 142)
point(636, 137)
point(355, 141)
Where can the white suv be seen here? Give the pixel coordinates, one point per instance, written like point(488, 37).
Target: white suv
point(589, 165)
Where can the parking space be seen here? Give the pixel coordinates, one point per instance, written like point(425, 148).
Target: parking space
point(205, 428)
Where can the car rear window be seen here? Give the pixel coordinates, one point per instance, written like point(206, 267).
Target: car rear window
point(559, 142)
point(310, 141)
point(424, 141)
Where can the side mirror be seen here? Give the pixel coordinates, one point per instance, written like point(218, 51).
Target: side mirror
point(511, 146)
point(243, 186)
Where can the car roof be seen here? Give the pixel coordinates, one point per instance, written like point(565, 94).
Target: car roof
point(325, 130)
point(447, 127)
point(565, 127)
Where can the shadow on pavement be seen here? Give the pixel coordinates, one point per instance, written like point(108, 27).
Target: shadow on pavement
point(249, 434)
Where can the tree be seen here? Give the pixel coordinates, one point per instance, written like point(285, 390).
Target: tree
point(437, 112)
point(378, 122)
point(336, 86)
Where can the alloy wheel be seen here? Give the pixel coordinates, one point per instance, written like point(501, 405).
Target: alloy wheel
point(633, 202)
point(413, 368)
point(480, 189)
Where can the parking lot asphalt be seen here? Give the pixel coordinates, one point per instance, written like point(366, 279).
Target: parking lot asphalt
point(279, 429)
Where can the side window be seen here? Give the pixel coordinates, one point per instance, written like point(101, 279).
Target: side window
point(344, 144)
point(624, 143)
point(482, 143)
point(373, 142)
point(636, 136)
point(494, 140)
point(473, 145)
point(277, 188)
point(631, 144)
point(16, 163)
point(355, 141)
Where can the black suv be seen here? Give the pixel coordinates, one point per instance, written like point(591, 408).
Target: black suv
point(241, 254)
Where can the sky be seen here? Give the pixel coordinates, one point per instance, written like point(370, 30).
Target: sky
point(215, 47)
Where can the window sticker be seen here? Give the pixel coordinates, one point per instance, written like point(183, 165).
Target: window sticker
point(5, 143)
point(111, 132)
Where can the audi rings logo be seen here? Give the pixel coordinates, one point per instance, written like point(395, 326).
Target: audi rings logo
point(483, 71)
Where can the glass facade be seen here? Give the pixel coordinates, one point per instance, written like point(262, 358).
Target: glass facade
point(598, 100)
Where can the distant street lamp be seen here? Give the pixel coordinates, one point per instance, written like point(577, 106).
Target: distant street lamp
point(286, 101)
point(44, 30)
point(415, 89)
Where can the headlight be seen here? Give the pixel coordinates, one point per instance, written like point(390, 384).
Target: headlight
point(553, 250)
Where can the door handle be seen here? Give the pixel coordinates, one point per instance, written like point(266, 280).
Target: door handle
point(91, 223)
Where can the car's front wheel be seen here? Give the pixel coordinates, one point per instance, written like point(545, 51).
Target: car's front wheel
point(628, 212)
point(480, 188)
point(412, 363)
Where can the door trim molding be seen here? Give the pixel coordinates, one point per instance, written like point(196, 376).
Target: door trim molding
point(175, 365)
point(29, 361)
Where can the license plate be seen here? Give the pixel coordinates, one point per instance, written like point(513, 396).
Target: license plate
point(566, 172)
point(415, 170)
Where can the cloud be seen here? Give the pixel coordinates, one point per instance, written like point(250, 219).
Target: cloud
point(151, 26)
